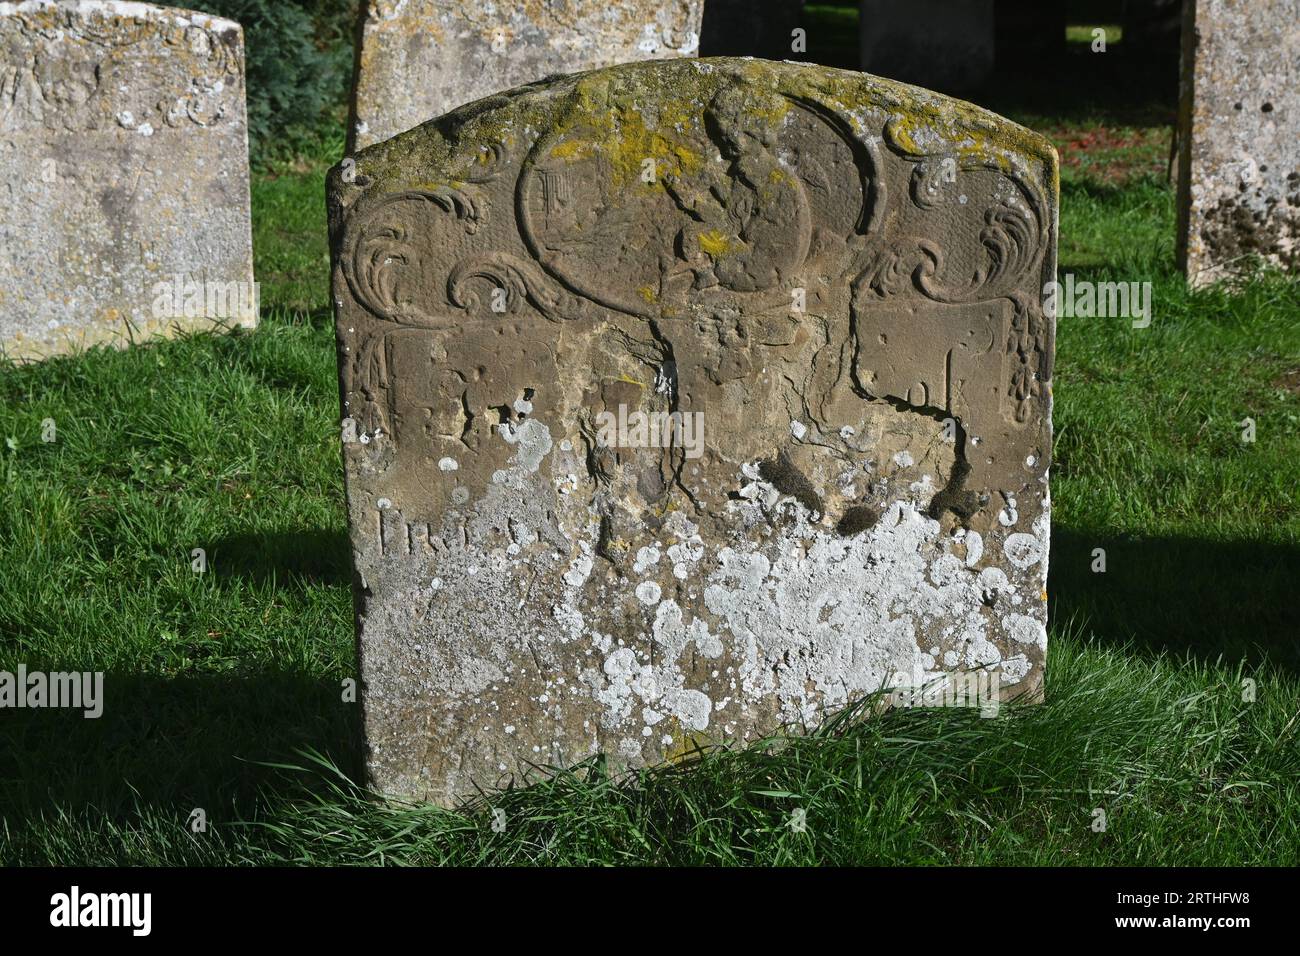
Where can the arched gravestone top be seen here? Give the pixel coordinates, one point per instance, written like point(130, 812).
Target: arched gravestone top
point(684, 401)
point(124, 152)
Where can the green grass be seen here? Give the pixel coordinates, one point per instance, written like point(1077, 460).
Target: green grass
point(1085, 34)
point(224, 689)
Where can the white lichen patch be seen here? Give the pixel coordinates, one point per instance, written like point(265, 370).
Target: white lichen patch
point(646, 558)
point(1026, 630)
point(533, 441)
point(1024, 550)
point(580, 568)
point(1008, 516)
point(818, 619)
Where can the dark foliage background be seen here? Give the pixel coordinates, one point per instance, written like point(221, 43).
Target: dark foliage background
point(299, 67)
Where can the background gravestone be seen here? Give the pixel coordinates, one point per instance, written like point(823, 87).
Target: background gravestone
point(761, 28)
point(945, 45)
point(1239, 137)
point(418, 59)
point(834, 281)
point(124, 153)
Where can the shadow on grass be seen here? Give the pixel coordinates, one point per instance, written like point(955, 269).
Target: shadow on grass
point(183, 742)
point(1209, 599)
point(309, 557)
point(1106, 192)
point(174, 744)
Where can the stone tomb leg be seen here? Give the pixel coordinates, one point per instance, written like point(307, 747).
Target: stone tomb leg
point(684, 402)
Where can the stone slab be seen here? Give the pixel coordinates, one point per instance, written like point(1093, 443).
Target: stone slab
point(418, 59)
point(685, 402)
point(1239, 138)
point(124, 157)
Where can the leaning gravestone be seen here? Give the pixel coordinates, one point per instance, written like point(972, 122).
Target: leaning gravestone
point(418, 59)
point(124, 152)
point(1239, 137)
point(684, 401)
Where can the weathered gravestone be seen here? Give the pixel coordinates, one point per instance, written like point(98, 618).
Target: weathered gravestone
point(124, 153)
point(418, 59)
point(762, 28)
point(944, 44)
point(684, 401)
point(1239, 137)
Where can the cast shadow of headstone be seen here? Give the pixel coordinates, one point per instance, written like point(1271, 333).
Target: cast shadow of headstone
point(171, 744)
point(174, 744)
point(1233, 600)
point(283, 558)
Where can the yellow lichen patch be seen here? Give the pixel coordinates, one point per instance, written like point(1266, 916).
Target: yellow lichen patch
point(647, 293)
point(715, 242)
point(911, 131)
point(599, 120)
point(690, 161)
point(664, 508)
point(900, 130)
point(485, 157)
point(770, 110)
point(571, 149)
point(972, 135)
point(635, 152)
point(686, 745)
